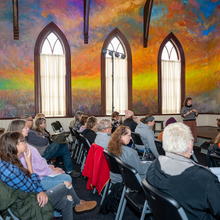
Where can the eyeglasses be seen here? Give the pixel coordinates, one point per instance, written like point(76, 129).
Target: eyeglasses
point(24, 141)
point(30, 120)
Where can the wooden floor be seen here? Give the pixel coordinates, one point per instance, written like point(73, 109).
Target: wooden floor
point(207, 132)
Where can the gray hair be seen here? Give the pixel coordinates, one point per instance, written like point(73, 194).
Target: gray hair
point(26, 117)
point(103, 124)
point(176, 138)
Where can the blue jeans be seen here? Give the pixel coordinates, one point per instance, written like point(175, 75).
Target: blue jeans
point(57, 150)
point(49, 182)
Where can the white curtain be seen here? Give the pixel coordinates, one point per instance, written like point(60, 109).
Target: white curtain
point(171, 86)
point(120, 85)
point(53, 81)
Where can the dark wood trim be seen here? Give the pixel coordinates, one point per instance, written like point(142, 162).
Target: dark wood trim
point(179, 49)
point(15, 19)
point(86, 5)
point(51, 27)
point(116, 33)
point(147, 15)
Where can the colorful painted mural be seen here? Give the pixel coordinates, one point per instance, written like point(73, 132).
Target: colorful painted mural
point(196, 24)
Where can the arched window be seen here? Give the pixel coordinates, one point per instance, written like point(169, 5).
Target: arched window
point(171, 76)
point(116, 91)
point(52, 73)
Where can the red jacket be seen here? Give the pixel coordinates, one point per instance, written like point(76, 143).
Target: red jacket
point(96, 168)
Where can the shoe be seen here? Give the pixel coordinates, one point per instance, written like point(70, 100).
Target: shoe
point(85, 206)
point(74, 174)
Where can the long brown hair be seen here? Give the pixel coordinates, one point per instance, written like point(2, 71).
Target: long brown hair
point(8, 150)
point(38, 122)
point(115, 142)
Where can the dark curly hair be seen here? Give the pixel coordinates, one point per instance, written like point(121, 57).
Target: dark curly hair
point(8, 150)
point(186, 100)
point(114, 145)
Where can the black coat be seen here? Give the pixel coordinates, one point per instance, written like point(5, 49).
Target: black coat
point(90, 135)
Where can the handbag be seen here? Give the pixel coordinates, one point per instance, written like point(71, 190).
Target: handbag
point(60, 138)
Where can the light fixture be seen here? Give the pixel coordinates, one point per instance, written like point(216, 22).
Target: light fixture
point(123, 56)
point(104, 51)
point(110, 53)
point(117, 54)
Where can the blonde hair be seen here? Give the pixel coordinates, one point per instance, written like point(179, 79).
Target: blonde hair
point(176, 138)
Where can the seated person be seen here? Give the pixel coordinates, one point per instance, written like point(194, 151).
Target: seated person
point(75, 123)
point(83, 122)
point(169, 121)
point(12, 173)
point(194, 186)
point(130, 120)
point(213, 149)
point(147, 135)
point(29, 120)
point(90, 130)
point(39, 139)
point(103, 134)
point(117, 146)
point(39, 164)
point(116, 120)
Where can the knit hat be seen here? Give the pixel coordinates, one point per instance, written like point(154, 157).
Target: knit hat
point(129, 113)
point(170, 121)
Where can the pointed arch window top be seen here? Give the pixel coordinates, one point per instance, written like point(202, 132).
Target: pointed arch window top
point(116, 46)
point(169, 52)
point(52, 45)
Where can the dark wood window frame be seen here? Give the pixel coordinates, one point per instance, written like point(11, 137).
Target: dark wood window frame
point(86, 5)
point(52, 27)
point(116, 33)
point(147, 15)
point(180, 53)
point(15, 19)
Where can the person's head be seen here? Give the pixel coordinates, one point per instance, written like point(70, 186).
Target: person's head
point(38, 115)
point(187, 101)
point(129, 114)
point(170, 121)
point(177, 138)
point(40, 124)
point(29, 120)
point(83, 120)
point(19, 125)
point(115, 115)
point(105, 126)
point(91, 123)
point(13, 145)
point(121, 136)
point(78, 115)
point(149, 120)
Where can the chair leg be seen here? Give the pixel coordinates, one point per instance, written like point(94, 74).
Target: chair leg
point(123, 209)
point(104, 192)
point(120, 204)
point(76, 151)
point(83, 163)
point(145, 211)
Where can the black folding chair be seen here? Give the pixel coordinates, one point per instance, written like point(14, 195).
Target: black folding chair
point(85, 149)
point(215, 159)
point(159, 147)
point(134, 193)
point(162, 205)
point(79, 141)
point(114, 168)
point(55, 126)
point(138, 143)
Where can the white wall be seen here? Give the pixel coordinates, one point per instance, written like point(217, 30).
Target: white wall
point(202, 120)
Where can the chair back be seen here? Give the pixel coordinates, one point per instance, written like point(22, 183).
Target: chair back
point(86, 144)
point(215, 159)
point(60, 126)
point(112, 163)
point(163, 206)
point(159, 147)
point(55, 126)
point(130, 176)
point(136, 138)
point(72, 132)
point(77, 136)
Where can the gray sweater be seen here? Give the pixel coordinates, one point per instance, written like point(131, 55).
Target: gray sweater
point(102, 139)
point(147, 136)
point(190, 117)
point(131, 157)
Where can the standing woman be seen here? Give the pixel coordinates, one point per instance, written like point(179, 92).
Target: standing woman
point(189, 114)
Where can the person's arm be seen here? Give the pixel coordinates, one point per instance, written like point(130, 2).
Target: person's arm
point(151, 144)
point(34, 138)
point(195, 111)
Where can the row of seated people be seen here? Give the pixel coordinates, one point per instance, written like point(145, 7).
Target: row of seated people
point(24, 166)
point(88, 126)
